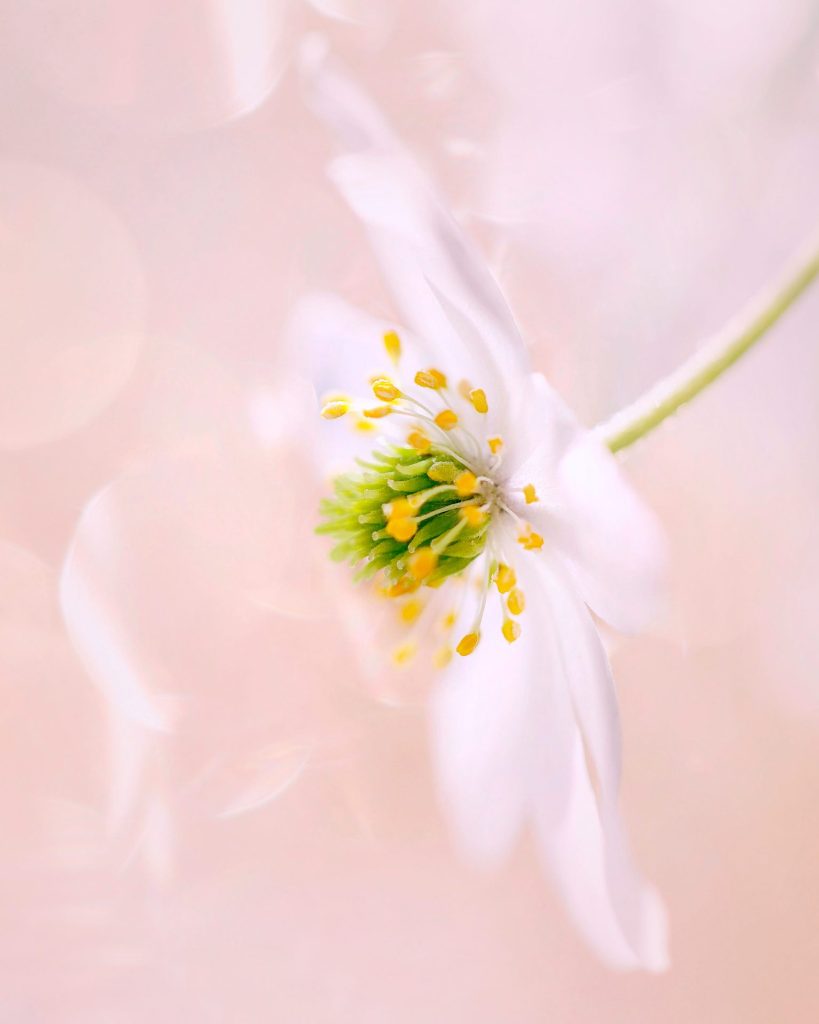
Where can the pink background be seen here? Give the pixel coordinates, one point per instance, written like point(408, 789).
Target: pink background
point(205, 815)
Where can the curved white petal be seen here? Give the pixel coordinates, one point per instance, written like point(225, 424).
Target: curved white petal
point(500, 730)
point(99, 645)
point(610, 541)
point(589, 862)
point(512, 728)
point(544, 430)
point(442, 287)
point(614, 545)
point(620, 914)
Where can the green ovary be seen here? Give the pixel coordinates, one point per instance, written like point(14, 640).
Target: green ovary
point(355, 517)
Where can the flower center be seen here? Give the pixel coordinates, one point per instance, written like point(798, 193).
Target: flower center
point(415, 518)
point(419, 511)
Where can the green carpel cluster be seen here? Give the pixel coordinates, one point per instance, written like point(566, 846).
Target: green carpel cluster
point(358, 516)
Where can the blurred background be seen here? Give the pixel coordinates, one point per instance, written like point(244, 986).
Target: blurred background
point(206, 815)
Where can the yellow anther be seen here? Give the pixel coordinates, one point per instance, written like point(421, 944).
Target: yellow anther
point(332, 410)
point(420, 442)
point(365, 426)
point(467, 644)
point(516, 602)
point(400, 508)
point(505, 578)
point(472, 515)
point(477, 396)
point(404, 653)
point(392, 343)
point(511, 630)
point(449, 620)
point(402, 528)
point(495, 444)
point(466, 484)
point(378, 412)
point(430, 378)
point(421, 563)
point(464, 389)
point(404, 586)
point(530, 540)
point(385, 389)
point(442, 657)
point(410, 611)
point(447, 419)
point(530, 494)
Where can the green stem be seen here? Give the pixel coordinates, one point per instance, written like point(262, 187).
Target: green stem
point(714, 358)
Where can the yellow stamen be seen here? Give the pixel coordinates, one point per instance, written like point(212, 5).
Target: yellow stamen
point(419, 441)
point(385, 389)
point(505, 578)
point(447, 419)
point(404, 586)
point(402, 528)
point(530, 540)
point(516, 602)
point(410, 611)
point(404, 653)
point(466, 484)
point(478, 399)
point(468, 643)
point(495, 444)
point(332, 410)
point(530, 494)
point(421, 563)
point(378, 412)
point(473, 515)
point(398, 509)
point(392, 343)
point(442, 657)
point(364, 426)
point(449, 620)
point(511, 630)
point(430, 378)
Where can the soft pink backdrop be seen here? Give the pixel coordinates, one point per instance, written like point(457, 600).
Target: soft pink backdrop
point(205, 815)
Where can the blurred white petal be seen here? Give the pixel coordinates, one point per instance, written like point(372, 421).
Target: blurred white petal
point(95, 637)
point(508, 750)
point(593, 824)
point(442, 287)
point(621, 917)
point(253, 780)
point(165, 65)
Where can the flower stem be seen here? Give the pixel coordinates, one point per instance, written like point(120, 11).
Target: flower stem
point(714, 358)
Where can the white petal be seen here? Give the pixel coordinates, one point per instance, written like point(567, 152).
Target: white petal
point(613, 542)
point(544, 430)
point(99, 645)
point(590, 863)
point(609, 539)
point(584, 667)
point(442, 287)
point(334, 348)
point(620, 914)
point(339, 347)
point(497, 727)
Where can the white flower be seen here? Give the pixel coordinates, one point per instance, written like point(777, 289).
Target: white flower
point(540, 528)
